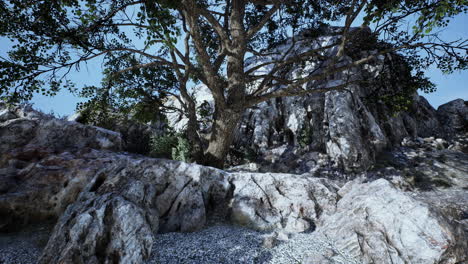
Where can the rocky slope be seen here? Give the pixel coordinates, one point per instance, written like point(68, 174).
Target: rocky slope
point(112, 207)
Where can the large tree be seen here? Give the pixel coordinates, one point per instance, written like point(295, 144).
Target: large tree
point(152, 49)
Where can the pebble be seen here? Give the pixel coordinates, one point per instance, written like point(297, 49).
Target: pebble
point(230, 244)
point(218, 243)
point(25, 246)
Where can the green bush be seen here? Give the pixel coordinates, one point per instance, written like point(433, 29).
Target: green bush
point(170, 146)
point(305, 136)
point(182, 150)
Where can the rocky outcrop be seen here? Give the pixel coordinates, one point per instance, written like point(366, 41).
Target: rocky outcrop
point(92, 193)
point(352, 127)
point(36, 184)
point(377, 223)
point(136, 135)
point(269, 201)
point(454, 116)
point(23, 126)
point(109, 206)
point(434, 170)
point(429, 163)
point(126, 203)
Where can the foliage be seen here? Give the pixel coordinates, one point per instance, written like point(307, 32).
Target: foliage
point(134, 127)
point(205, 113)
point(182, 150)
point(305, 135)
point(170, 146)
point(397, 83)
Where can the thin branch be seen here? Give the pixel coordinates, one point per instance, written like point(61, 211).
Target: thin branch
point(329, 71)
point(262, 22)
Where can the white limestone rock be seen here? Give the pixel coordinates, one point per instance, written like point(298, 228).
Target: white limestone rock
point(377, 223)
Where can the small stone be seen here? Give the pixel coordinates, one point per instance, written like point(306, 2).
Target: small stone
point(269, 241)
point(428, 139)
point(325, 257)
point(282, 236)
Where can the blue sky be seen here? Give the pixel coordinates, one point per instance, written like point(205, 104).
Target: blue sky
point(449, 87)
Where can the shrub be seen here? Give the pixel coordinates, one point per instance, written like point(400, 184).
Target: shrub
point(305, 136)
point(182, 150)
point(170, 146)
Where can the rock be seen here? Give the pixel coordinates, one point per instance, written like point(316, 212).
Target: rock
point(166, 196)
point(126, 203)
point(433, 174)
point(269, 241)
point(377, 223)
point(36, 160)
point(5, 115)
point(346, 145)
point(103, 230)
point(453, 116)
point(268, 201)
point(41, 188)
point(29, 128)
point(428, 165)
point(136, 135)
point(110, 206)
point(92, 191)
point(440, 143)
point(451, 203)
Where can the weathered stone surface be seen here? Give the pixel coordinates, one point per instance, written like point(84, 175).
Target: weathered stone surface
point(27, 127)
point(110, 205)
point(454, 116)
point(377, 223)
point(354, 136)
point(41, 187)
point(293, 203)
point(106, 229)
point(127, 202)
point(435, 171)
point(429, 163)
point(164, 196)
point(35, 183)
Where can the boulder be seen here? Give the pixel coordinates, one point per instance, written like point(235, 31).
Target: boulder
point(454, 116)
point(377, 223)
point(167, 196)
point(35, 163)
point(41, 187)
point(269, 201)
point(26, 127)
point(429, 163)
point(127, 202)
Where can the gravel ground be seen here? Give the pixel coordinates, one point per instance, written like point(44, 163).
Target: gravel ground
point(219, 243)
point(232, 244)
point(25, 246)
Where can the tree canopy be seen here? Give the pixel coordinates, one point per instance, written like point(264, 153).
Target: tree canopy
point(154, 49)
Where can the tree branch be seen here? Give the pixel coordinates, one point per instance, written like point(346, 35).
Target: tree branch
point(262, 22)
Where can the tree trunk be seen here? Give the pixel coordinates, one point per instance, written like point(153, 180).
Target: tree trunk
point(222, 135)
point(193, 138)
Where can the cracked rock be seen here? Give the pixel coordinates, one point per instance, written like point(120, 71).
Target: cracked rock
point(377, 223)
